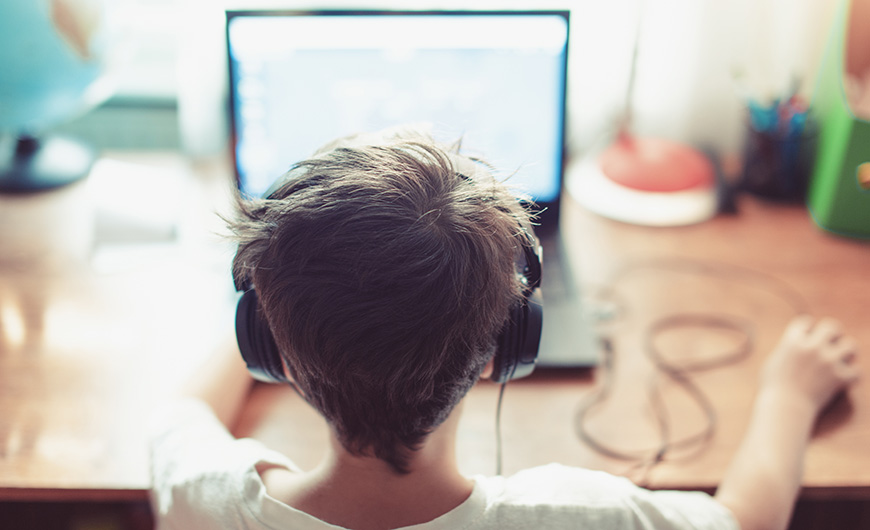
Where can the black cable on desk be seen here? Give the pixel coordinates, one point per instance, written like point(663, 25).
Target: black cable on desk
point(678, 372)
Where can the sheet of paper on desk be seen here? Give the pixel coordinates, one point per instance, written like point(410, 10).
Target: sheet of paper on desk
point(148, 227)
point(135, 203)
point(137, 210)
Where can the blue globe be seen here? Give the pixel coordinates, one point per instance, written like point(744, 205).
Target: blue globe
point(51, 65)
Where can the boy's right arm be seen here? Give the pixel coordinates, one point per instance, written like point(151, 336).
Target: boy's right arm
point(222, 382)
point(812, 363)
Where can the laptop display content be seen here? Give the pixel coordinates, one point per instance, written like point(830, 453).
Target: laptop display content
point(495, 80)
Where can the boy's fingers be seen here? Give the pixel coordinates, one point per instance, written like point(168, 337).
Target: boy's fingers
point(850, 356)
point(845, 357)
point(848, 373)
point(848, 348)
point(826, 331)
point(800, 326)
point(843, 351)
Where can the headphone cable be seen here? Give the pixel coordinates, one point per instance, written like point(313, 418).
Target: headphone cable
point(498, 440)
point(678, 373)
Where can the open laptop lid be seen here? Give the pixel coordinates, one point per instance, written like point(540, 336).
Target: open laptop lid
point(497, 80)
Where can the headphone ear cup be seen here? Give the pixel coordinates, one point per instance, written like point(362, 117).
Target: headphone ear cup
point(504, 361)
point(256, 343)
point(517, 345)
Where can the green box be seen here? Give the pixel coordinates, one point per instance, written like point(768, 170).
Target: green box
point(839, 194)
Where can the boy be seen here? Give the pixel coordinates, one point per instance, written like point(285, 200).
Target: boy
point(385, 270)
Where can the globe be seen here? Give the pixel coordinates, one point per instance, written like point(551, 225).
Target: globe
point(51, 69)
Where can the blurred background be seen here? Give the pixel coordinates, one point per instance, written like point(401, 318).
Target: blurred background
point(167, 67)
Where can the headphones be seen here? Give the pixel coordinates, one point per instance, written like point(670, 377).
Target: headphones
point(516, 346)
point(518, 343)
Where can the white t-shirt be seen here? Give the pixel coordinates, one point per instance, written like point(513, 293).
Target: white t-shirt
point(205, 478)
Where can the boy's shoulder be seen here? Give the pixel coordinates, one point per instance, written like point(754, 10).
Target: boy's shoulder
point(554, 491)
point(557, 484)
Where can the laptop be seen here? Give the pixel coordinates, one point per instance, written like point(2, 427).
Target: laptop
point(495, 79)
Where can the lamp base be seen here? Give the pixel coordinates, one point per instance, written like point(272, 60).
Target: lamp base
point(600, 194)
point(28, 164)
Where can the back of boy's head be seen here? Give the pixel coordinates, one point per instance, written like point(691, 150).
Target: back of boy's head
point(385, 273)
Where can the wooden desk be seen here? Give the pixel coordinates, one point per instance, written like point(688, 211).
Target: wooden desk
point(85, 349)
point(538, 418)
point(92, 333)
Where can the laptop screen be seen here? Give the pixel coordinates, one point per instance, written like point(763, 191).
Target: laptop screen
point(495, 80)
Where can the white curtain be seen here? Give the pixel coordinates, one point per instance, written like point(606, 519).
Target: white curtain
point(688, 54)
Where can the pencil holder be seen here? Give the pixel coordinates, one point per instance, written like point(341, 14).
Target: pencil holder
point(777, 162)
point(839, 193)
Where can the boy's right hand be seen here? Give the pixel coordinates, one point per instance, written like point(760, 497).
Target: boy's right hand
point(813, 361)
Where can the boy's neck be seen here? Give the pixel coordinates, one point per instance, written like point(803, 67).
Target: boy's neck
point(366, 493)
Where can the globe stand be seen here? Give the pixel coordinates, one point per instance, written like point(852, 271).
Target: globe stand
point(32, 165)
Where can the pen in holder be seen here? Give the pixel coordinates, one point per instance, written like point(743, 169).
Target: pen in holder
point(779, 152)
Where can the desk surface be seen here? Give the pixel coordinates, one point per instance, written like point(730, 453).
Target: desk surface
point(86, 340)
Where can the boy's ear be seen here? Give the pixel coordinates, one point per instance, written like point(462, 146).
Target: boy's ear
point(488, 369)
point(292, 382)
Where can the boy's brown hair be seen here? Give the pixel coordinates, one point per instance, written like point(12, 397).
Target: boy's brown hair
point(385, 273)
